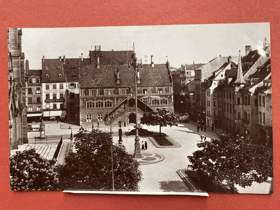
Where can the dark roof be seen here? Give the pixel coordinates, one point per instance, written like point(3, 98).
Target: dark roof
point(72, 68)
point(252, 56)
point(53, 71)
point(104, 76)
point(194, 66)
point(111, 57)
point(32, 72)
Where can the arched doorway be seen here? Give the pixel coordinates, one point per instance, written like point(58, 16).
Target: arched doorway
point(132, 118)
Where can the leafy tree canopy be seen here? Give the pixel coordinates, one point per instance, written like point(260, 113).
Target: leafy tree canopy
point(90, 166)
point(233, 159)
point(161, 117)
point(29, 171)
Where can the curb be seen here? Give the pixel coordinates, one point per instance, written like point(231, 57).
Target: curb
point(175, 144)
point(192, 186)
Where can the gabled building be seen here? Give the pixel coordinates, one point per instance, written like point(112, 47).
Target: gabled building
point(17, 89)
point(108, 88)
point(54, 87)
point(34, 94)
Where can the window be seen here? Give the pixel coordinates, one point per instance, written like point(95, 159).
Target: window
point(101, 92)
point(58, 67)
point(38, 90)
point(74, 76)
point(29, 100)
point(37, 80)
point(145, 91)
point(155, 102)
point(239, 115)
point(145, 100)
point(108, 92)
point(60, 86)
point(54, 86)
point(122, 92)
point(47, 96)
point(47, 68)
point(256, 101)
point(108, 104)
point(47, 87)
point(245, 116)
point(208, 93)
point(264, 118)
point(61, 106)
point(260, 116)
point(33, 80)
point(61, 95)
point(47, 76)
point(230, 106)
point(89, 104)
point(54, 96)
point(164, 101)
point(159, 90)
point(88, 118)
point(260, 100)
point(86, 92)
point(54, 106)
point(208, 103)
point(99, 104)
point(60, 75)
point(248, 100)
point(29, 90)
point(263, 100)
point(214, 103)
point(72, 85)
point(100, 117)
point(238, 101)
point(245, 100)
point(139, 90)
point(38, 100)
point(167, 89)
point(30, 109)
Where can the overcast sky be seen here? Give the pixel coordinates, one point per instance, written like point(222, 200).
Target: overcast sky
point(183, 44)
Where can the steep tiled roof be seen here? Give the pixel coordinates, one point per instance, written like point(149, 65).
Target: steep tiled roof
point(71, 68)
point(105, 76)
point(111, 57)
point(53, 71)
point(34, 72)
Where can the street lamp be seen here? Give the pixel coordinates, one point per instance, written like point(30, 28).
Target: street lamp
point(136, 65)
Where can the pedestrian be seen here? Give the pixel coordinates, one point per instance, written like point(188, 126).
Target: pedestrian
point(204, 138)
point(212, 127)
point(143, 146)
point(198, 128)
point(146, 145)
point(204, 128)
point(97, 122)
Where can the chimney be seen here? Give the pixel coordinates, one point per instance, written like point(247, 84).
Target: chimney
point(98, 62)
point(97, 47)
point(229, 59)
point(152, 63)
point(82, 57)
point(64, 60)
point(248, 49)
point(59, 58)
point(138, 76)
point(182, 67)
point(43, 58)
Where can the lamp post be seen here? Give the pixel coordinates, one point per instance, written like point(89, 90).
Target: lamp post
point(135, 64)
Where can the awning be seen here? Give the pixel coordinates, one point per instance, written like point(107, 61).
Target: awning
point(58, 113)
point(34, 115)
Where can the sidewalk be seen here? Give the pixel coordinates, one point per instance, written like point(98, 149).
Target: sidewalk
point(216, 131)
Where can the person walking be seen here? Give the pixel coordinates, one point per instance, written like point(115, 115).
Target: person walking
point(202, 137)
point(146, 145)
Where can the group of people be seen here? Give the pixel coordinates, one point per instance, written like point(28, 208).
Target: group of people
point(203, 137)
point(202, 127)
point(144, 145)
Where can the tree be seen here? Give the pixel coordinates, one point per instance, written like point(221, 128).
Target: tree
point(90, 166)
point(29, 171)
point(234, 160)
point(161, 117)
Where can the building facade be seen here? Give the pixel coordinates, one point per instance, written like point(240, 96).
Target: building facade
point(108, 88)
point(17, 89)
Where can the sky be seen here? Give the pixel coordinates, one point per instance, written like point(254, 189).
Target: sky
point(180, 44)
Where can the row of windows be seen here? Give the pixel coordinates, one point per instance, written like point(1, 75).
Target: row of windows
point(155, 101)
point(54, 106)
point(30, 108)
point(228, 94)
point(54, 86)
point(89, 117)
point(34, 80)
point(38, 90)
point(99, 104)
point(54, 96)
point(48, 76)
point(30, 100)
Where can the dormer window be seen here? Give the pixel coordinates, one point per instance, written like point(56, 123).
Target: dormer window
point(47, 76)
point(74, 76)
point(47, 68)
point(60, 75)
point(59, 67)
point(73, 67)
